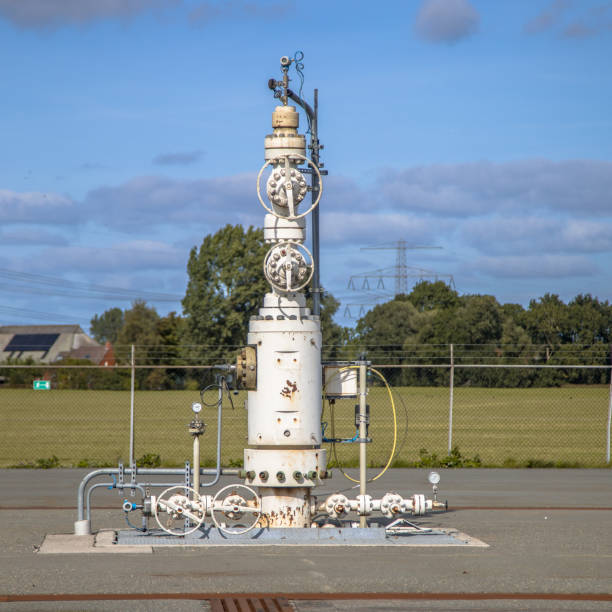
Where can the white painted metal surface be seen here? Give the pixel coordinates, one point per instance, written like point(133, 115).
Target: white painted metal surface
point(284, 458)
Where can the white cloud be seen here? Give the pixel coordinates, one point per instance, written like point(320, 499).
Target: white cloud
point(548, 17)
point(370, 228)
point(572, 19)
point(126, 256)
point(177, 159)
point(580, 186)
point(536, 266)
point(37, 207)
point(23, 236)
point(206, 12)
point(547, 223)
point(533, 234)
point(446, 20)
point(149, 201)
point(54, 13)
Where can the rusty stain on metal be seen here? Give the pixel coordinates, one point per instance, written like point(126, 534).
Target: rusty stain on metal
point(289, 390)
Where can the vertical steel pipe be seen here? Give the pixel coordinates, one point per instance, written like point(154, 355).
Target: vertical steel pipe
point(451, 400)
point(132, 381)
point(363, 433)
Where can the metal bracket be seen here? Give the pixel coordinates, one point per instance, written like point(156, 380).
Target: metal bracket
point(187, 475)
point(309, 171)
point(187, 487)
point(120, 476)
point(133, 480)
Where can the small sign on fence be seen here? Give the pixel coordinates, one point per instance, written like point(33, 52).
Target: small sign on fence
point(41, 385)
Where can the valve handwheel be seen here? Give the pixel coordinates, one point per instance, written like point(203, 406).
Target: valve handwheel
point(242, 503)
point(288, 266)
point(287, 186)
point(182, 505)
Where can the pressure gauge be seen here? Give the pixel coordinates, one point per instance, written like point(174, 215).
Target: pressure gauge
point(196, 407)
point(434, 478)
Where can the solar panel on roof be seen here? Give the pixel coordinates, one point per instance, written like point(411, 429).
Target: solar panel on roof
point(31, 342)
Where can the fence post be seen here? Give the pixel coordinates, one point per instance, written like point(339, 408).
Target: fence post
point(363, 434)
point(450, 408)
point(609, 412)
point(133, 370)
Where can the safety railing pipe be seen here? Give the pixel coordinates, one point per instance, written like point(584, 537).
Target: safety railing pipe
point(81, 528)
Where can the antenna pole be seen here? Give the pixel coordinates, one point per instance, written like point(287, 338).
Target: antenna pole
point(315, 147)
point(314, 142)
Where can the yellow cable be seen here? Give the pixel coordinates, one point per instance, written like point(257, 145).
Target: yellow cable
point(394, 427)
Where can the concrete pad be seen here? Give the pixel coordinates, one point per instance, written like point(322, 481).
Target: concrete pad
point(72, 544)
point(333, 537)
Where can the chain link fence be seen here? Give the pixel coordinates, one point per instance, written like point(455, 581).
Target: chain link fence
point(90, 417)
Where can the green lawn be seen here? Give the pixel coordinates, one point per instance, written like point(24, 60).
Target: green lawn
point(566, 424)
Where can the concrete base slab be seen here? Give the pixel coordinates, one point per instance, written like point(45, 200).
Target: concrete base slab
point(337, 536)
point(102, 542)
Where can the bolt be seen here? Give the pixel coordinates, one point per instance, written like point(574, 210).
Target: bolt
point(286, 433)
point(250, 474)
point(312, 474)
point(263, 475)
point(280, 476)
point(297, 475)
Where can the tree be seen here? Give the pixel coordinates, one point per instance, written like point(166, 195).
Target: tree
point(106, 327)
point(382, 331)
point(547, 322)
point(142, 328)
point(334, 335)
point(590, 320)
point(226, 287)
point(426, 295)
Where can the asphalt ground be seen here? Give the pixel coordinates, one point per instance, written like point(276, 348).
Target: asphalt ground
point(549, 531)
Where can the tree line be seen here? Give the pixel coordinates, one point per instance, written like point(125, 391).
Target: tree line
point(420, 327)
point(226, 287)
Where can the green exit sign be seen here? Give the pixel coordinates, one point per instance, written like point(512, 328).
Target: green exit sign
point(40, 385)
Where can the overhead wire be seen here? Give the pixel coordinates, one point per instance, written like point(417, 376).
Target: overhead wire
point(99, 291)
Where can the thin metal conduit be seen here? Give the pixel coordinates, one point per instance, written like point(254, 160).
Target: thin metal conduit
point(143, 472)
point(217, 472)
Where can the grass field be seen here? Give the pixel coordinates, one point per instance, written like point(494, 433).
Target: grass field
point(564, 425)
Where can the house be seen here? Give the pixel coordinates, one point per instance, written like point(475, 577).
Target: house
point(50, 343)
point(100, 355)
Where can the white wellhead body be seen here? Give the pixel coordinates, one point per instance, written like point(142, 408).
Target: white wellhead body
point(284, 458)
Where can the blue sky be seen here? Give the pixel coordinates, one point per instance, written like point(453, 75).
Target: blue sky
point(130, 129)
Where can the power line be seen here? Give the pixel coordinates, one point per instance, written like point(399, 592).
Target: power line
point(49, 285)
point(21, 313)
point(401, 267)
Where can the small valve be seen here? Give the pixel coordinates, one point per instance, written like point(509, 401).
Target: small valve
point(128, 506)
